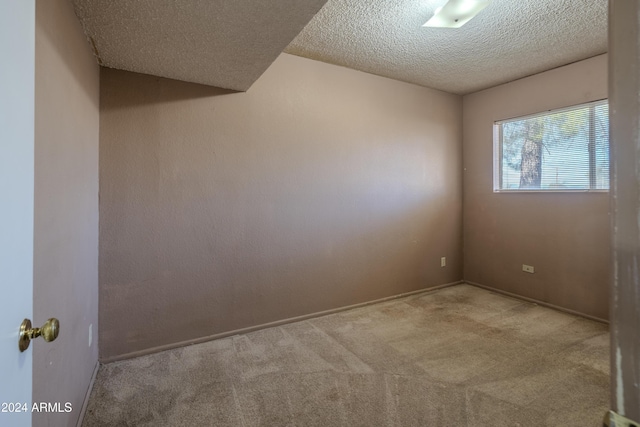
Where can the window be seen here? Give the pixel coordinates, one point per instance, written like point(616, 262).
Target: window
point(559, 150)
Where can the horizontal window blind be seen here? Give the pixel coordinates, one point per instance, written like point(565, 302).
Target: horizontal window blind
point(565, 149)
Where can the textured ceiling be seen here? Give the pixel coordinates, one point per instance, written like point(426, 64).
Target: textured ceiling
point(224, 43)
point(508, 40)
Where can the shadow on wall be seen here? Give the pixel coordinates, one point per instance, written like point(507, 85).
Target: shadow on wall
point(61, 35)
point(167, 90)
point(240, 276)
point(219, 213)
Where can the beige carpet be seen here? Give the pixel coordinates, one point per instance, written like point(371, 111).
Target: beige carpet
point(460, 356)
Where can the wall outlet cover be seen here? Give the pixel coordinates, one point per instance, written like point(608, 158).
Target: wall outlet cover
point(612, 419)
point(527, 268)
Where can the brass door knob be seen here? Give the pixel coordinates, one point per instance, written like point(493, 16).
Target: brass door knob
point(49, 331)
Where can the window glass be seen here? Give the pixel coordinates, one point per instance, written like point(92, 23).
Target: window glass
point(559, 150)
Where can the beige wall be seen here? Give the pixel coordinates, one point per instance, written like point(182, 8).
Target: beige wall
point(66, 209)
point(565, 236)
point(319, 188)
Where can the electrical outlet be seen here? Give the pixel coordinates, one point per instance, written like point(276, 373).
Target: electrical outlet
point(615, 420)
point(443, 261)
point(527, 268)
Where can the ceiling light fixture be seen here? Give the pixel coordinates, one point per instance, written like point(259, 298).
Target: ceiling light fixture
point(456, 13)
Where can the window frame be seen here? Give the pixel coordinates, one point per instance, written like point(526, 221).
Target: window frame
point(498, 155)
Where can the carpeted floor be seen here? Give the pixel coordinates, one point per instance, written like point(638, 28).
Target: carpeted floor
point(460, 356)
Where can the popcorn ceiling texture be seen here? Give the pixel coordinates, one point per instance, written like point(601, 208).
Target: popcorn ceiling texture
point(230, 44)
point(222, 43)
point(508, 40)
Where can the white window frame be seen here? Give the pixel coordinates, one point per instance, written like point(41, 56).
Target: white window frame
point(497, 152)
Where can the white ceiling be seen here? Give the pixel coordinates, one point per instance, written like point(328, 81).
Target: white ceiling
point(230, 43)
point(508, 40)
point(224, 43)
